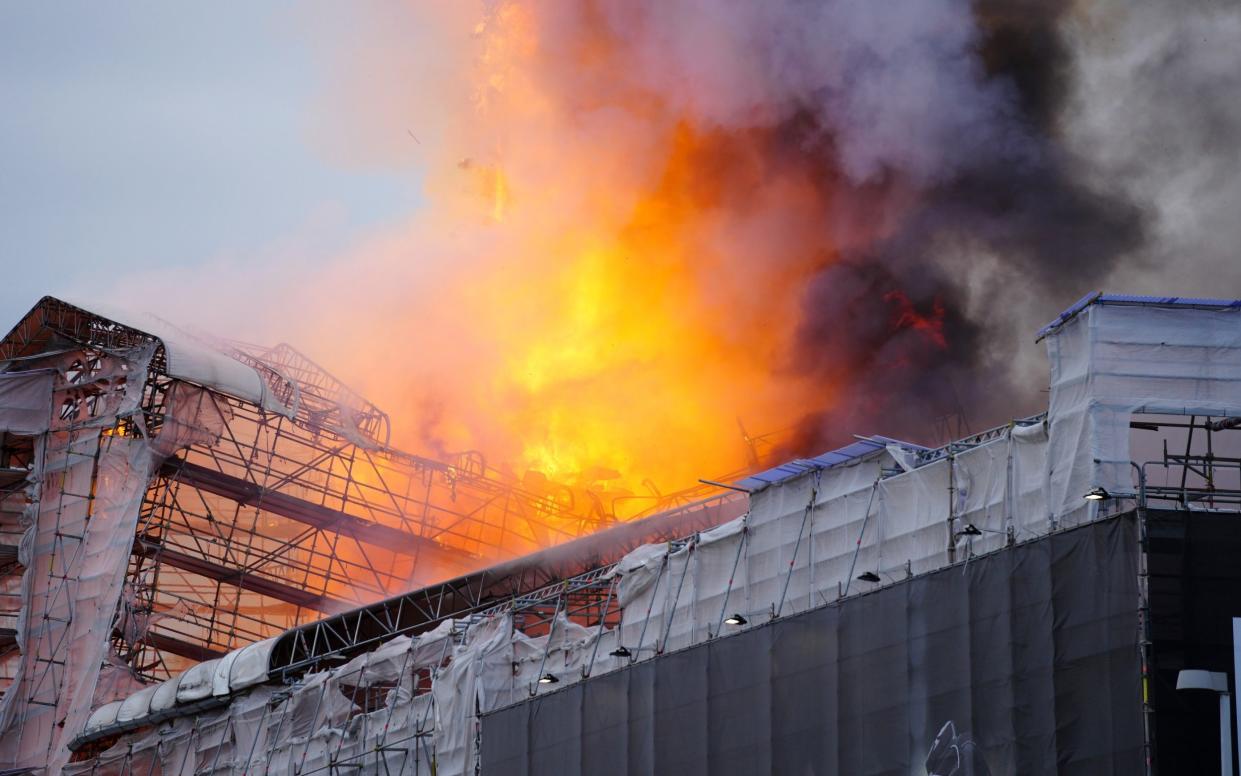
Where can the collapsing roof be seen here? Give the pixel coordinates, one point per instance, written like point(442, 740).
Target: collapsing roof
point(177, 498)
point(814, 531)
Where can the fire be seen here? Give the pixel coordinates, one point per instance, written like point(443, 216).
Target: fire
point(907, 316)
point(620, 275)
point(613, 367)
point(653, 231)
point(622, 317)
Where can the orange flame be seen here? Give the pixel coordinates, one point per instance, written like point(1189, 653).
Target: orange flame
point(620, 280)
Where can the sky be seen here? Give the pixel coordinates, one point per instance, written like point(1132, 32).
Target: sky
point(155, 138)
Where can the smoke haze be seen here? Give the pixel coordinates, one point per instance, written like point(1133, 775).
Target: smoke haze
point(649, 219)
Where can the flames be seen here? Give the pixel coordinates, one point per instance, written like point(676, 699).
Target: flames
point(620, 288)
point(654, 231)
point(906, 316)
point(629, 341)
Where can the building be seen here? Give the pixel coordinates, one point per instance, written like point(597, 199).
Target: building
point(1020, 601)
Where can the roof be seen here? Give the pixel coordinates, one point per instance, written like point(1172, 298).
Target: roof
point(187, 356)
point(863, 448)
point(1098, 297)
point(193, 360)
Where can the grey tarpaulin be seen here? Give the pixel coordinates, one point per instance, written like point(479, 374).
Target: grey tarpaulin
point(26, 401)
point(1030, 653)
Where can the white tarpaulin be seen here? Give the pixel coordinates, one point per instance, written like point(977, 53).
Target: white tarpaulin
point(808, 538)
point(1111, 361)
point(78, 535)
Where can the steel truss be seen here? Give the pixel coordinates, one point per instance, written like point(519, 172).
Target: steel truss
point(572, 579)
point(566, 578)
point(276, 519)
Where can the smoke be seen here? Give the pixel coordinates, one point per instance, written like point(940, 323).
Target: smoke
point(1156, 108)
point(926, 136)
point(648, 219)
point(1010, 207)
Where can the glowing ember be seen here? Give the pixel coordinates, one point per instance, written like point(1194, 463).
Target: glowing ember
point(931, 326)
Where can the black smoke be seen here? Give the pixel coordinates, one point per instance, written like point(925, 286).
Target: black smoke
point(1021, 203)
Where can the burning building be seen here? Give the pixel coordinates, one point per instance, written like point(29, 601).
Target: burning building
point(218, 565)
point(169, 499)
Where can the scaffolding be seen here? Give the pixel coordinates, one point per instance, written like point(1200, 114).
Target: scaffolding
point(264, 506)
point(396, 687)
point(246, 491)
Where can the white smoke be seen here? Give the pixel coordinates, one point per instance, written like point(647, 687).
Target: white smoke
point(898, 85)
point(1157, 111)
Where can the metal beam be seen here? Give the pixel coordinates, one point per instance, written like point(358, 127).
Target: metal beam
point(175, 646)
point(360, 629)
point(239, 578)
point(321, 517)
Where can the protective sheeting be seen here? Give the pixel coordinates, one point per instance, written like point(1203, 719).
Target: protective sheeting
point(1022, 662)
point(191, 359)
point(1110, 361)
point(845, 456)
point(85, 489)
point(985, 657)
point(806, 540)
point(196, 682)
point(195, 416)
point(92, 464)
point(251, 664)
point(409, 706)
point(26, 402)
point(412, 703)
point(795, 550)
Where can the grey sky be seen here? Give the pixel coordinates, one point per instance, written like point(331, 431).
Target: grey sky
point(162, 136)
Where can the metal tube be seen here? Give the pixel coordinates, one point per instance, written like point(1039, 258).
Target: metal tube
point(547, 648)
point(788, 577)
point(1225, 733)
point(598, 636)
point(862, 533)
point(952, 507)
point(659, 646)
point(719, 625)
point(649, 607)
point(1144, 626)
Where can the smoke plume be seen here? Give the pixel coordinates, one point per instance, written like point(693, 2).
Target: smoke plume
point(871, 152)
point(648, 220)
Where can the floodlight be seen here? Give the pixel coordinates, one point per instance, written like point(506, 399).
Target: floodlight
point(1097, 494)
point(735, 619)
point(548, 679)
point(868, 576)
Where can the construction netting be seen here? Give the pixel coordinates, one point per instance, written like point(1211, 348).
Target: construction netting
point(91, 465)
point(413, 703)
point(1023, 662)
point(819, 541)
point(1112, 361)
